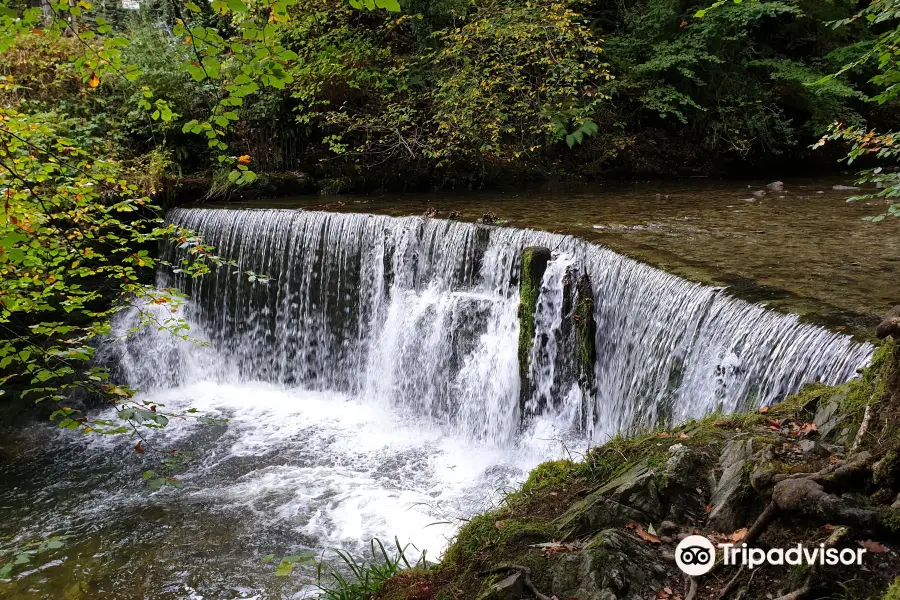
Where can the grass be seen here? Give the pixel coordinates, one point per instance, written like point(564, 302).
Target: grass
point(365, 577)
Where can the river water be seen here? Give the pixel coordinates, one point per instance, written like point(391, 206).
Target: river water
point(371, 386)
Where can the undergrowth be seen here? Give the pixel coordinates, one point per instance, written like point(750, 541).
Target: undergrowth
point(365, 577)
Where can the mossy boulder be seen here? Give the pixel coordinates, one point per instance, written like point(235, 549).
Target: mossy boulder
point(534, 264)
point(615, 565)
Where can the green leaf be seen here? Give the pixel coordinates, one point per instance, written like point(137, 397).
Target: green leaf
point(389, 5)
point(284, 569)
point(307, 557)
point(236, 6)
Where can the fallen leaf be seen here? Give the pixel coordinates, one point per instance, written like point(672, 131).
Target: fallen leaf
point(647, 537)
point(94, 81)
point(664, 434)
point(830, 527)
point(244, 159)
point(833, 459)
point(873, 546)
point(683, 24)
point(138, 449)
point(808, 428)
point(738, 535)
point(709, 508)
point(631, 525)
point(683, 436)
point(498, 524)
point(764, 409)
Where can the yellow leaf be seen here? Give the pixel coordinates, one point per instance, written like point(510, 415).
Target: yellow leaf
point(94, 81)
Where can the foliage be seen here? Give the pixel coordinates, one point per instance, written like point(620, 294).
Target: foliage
point(497, 85)
point(737, 77)
point(366, 577)
point(17, 557)
point(881, 15)
point(77, 225)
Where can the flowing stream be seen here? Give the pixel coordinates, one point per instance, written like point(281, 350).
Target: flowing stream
point(371, 383)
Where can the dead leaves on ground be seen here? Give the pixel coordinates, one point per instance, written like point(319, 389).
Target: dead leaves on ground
point(667, 594)
point(728, 538)
point(648, 536)
point(793, 427)
point(680, 436)
point(873, 546)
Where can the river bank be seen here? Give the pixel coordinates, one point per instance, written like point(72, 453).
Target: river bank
point(819, 468)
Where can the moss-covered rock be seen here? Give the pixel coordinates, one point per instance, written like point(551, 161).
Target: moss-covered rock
point(534, 264)
point(615, 565)
point(606, 528)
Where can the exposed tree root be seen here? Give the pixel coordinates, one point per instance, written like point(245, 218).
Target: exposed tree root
point(692, 590)
point(729, 587)
point(526, 578)
point(867, 417)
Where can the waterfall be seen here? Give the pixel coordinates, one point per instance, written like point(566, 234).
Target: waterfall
point(422, 314)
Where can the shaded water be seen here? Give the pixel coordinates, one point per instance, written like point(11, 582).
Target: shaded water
point(804, 248)
point(372, 390)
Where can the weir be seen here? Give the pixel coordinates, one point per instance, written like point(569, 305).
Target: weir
point(423, 314)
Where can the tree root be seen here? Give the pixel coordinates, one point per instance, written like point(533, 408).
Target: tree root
point(730, 585)
point(526, 578)
point(867, 417)
point(692, 590)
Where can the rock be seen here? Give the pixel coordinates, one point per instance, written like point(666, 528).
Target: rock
point(682, 485)
point(636, 488)
point(890, 326)
point(615, 565)
point(759, 193)
point(534, 263)
point(844, 188)
point(776, 186)
point(814, 447)
point(594, 513)
point(585, 334)
point(509, 588)
point(828, 415)
point(668, 528)
point(489, 218)
point(728, 511)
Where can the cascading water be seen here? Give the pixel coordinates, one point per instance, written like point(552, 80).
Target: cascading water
point(372, 388)
point(421, 314)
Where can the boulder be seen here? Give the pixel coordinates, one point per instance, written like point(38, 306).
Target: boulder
point(890, 326)
point(614, 565)
point(594, 513)
point(534, 263)
point(508, 588)
point(728, 511)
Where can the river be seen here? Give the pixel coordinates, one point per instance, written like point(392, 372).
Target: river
point(371, 386)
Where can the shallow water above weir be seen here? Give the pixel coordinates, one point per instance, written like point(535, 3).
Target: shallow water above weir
point(371, 389)
point(803, 249)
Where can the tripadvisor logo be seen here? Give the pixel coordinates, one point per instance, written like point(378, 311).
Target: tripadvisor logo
point(695, 555)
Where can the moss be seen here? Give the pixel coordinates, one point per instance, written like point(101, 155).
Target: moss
point(534, 263)
point(893, 591)
point(585, 331)
point(473, 537)
point(548, 473)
